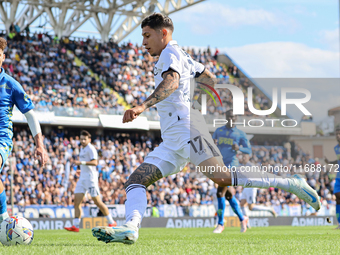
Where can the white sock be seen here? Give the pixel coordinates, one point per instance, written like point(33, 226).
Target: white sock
point(3, 216)
point(244, 211)
point(76, 222)
point(135, 204)
point(261, 208)
point(262, 180)
point(109, 219)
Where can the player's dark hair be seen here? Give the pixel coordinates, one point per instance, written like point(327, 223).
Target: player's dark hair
point(227, 113)
point(158, 21)
point(85, 133)
point(3, 43)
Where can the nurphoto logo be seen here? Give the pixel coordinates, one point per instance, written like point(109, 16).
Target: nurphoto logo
point(239, 102)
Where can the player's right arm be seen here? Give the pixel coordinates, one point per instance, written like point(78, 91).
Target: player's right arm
point(171, 69)
point(168, 86)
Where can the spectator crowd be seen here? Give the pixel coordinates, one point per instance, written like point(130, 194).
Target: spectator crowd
point(119, 156)
point(50, 73)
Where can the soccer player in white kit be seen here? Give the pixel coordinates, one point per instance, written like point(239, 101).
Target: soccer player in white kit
point(88, 182)
point(184, 132)
point(248, 196)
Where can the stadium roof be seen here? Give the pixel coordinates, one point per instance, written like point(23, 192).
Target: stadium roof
point(112, 18)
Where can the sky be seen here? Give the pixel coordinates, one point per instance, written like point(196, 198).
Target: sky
point(280, 38)
point(271, 39)
point(268, 39)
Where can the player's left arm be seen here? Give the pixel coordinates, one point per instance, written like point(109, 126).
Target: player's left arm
point(33, 123)
point(206, 77)
point(168, 86)
point(246, 147)
point(25, 105)
point(203, 76)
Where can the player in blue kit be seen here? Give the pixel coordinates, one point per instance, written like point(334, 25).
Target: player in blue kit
point(11, 93)
point(229, 140)
point(336, 190)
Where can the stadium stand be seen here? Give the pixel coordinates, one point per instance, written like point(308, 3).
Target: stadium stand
point(118, 157)
point(49, 73)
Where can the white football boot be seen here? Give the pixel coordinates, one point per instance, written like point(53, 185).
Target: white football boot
point(244, 224)
point(219, 229)
point(299, 187)
point(273, 212)
point(127, 234)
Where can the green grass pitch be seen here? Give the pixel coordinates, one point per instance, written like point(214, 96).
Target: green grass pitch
point(271, 240)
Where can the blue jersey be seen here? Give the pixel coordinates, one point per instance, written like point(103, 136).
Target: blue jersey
point(337, 152)
point(226, 137)
point(11, 93)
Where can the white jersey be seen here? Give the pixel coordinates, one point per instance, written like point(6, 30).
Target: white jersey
point(87, 154)
point(177, 105)
point(185, 135)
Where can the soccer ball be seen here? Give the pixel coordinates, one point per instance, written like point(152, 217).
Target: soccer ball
point(16, 230)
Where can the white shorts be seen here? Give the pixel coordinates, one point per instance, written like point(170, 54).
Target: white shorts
point(249, 194)
point(87, 185)
point(183, 142)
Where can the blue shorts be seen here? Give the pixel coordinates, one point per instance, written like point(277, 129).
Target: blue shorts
point(5, 150)
point(336, 186)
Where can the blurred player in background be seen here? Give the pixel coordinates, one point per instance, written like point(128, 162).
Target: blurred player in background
point(88, 182)
point(336, 190)
point(230, 140)
point(248, 196)
point(184, 132)
point(12, 93)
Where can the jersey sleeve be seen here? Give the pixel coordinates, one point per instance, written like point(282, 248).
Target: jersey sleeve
point(21, 99)
point(170, 60)
point(93, 153)
point(199, 68)
point(245, 143)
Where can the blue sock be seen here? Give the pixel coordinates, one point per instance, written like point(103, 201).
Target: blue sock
point(3, 204)
point(337, 210)
point(236, 208)
point(220, 211)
